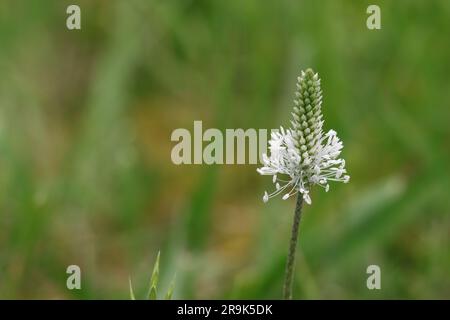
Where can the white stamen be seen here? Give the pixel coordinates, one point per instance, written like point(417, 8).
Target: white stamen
point(265, 197)
point(307, 198)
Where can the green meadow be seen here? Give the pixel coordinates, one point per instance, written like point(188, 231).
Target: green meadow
point(86, 176)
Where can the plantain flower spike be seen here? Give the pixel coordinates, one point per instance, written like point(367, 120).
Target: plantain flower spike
point(303, 155)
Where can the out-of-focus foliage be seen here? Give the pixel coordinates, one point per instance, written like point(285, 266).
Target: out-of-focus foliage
point(86, 176)
point(153, 287)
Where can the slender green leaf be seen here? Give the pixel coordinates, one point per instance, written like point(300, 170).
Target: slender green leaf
point(152, 294)
point(154, 280)
point(132, 296)
point(171, 288)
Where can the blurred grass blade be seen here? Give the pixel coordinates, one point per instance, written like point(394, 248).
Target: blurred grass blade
point(154, 279)
point(152, 293)
point(171, 288)
point(132, 297)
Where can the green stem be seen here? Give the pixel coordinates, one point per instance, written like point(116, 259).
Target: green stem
point(287, 290)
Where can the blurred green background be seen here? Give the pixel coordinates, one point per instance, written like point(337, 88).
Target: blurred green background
point(86, 176)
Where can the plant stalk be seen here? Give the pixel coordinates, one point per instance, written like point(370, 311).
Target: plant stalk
point(290, 264)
